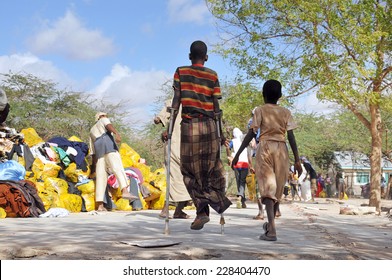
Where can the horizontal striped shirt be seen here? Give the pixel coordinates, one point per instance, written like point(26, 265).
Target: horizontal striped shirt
point(198, 85)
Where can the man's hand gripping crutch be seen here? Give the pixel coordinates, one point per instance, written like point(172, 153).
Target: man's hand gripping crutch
point(173, 113)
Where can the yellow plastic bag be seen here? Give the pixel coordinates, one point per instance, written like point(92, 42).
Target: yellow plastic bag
point(71, 202)
point(159, 171)
point(154, 192)
point(37, 168)
point(123, 204)
point(89, 200)
point(251, 185)
point(145, 204)
point(59, 184)
point(30, 176)
point(87, 188)
point(3, 214)
point(146, 171)
point(74, 138)
point(72, 172)
point(51, 170)
point(21, 160)
point(43, 171)
point(159, 203)
point(49, 196)
point(45, 195)
point(31, 137)
point(129, 157)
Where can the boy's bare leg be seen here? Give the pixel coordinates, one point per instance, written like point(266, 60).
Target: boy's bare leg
point(260, 215)
point(277, 210)
point(270, 229)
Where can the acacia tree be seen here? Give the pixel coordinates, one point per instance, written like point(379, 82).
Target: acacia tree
point(339, 49)
point(237, 105)
point(39, 104)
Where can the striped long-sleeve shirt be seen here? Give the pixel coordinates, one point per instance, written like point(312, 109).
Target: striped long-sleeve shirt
point(198, 85)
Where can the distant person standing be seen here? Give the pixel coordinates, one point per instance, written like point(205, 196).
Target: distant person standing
point(389, 187)
point(197, 89)
point(4, 108)
point(241, 169)
point(328, 186)
point(253, 147)
point(178, 192)
point(293, 182)
point(311, 175)
point(340, 185)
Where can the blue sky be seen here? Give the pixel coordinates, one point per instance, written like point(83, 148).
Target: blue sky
point(118, 50)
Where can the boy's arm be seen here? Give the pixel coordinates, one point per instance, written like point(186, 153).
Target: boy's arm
point(251, 169)
point(244, 144)
point(293, 145)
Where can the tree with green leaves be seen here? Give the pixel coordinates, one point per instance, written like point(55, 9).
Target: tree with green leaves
point(339, 49)
point(238, 102)
point(39, 104)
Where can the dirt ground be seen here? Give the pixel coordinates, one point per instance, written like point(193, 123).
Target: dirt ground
point(305, 232)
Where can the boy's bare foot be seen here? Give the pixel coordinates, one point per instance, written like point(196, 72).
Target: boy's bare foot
point(267, 237)
point(258, 217)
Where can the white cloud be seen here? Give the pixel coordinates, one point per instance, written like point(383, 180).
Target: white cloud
point(137, 89)
point(29, 64)
point(188, 11)
point(67, 36)
point(310, 104)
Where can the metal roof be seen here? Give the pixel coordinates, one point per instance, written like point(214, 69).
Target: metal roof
point(358, 161)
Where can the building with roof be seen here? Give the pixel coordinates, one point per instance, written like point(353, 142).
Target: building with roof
point(355, 167)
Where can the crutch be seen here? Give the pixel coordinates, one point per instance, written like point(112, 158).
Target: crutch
point(218, 128)
point(171, 110)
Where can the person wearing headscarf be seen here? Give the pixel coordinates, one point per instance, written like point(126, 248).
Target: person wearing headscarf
point(311, 174)
point(241, 169)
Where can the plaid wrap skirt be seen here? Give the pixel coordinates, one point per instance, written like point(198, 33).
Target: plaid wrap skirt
point(201, 165)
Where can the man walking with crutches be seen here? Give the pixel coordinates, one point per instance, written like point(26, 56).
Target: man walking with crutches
point(197, 89)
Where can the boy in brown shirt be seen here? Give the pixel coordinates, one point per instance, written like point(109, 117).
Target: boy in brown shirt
point(272, 160)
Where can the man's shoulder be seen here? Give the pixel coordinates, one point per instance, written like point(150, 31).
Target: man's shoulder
point(206, 69)
point(209, 69)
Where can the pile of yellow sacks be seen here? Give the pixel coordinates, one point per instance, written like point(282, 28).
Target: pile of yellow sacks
point(54, 191)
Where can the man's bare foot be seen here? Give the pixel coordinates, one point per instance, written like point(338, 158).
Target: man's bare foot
point(126, 195)
point(100, 207)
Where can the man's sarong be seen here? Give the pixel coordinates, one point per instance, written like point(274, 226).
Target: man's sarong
point(201, 165)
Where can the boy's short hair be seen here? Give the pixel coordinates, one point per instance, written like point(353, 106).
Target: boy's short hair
point(198, 50)
point(272, 89)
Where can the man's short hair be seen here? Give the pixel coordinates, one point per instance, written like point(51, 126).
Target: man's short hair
point(198, 50)
point(272, 89)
